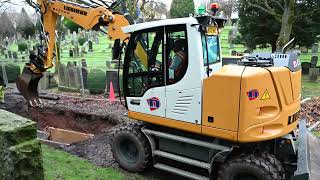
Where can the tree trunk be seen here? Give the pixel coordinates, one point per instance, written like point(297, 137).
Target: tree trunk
point(287, 23)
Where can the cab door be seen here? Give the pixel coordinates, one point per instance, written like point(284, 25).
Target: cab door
point(144, 85)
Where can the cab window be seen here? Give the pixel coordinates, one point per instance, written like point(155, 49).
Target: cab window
point(145, 62)
point(177, 53)
point(210, 49)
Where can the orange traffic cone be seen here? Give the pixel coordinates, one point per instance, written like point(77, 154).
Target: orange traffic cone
point(112, 97)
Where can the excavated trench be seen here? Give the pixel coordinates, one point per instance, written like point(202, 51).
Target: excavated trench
point(99, 118)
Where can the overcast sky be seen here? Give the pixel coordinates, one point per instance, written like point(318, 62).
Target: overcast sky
point(29, 9)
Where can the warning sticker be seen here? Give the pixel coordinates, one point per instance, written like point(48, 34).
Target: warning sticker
point(265, 95)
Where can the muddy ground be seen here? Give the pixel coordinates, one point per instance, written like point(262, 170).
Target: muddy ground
point(99, 118)
point(83, 115)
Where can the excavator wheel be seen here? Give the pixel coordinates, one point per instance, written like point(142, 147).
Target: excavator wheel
point(27, 84)
point(131, 148)
point(252, 167)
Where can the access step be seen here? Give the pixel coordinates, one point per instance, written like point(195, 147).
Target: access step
point(182, 159)
point(180, 172)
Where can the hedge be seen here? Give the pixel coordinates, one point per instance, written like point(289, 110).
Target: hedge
point(12, 70)
point(96, 81)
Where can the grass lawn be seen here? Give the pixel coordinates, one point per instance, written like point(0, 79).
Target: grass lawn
point(59, 165)
point(310, 89)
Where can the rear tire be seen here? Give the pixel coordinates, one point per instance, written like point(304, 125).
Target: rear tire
point(252, 167)
point(130, 147)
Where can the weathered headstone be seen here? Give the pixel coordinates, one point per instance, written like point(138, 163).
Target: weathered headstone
point(10, 54)
point(76, 49)
point(85, 77)
point(112, 76)
point(90, 46)
point(15, 55)
point(315, 48)
point(63, 78)
point(73, 77)
point(44, 81)
point(70, 64)
point(96, 40)
point(74, 35)
point(314, 61)
point(70, 53)
point(84, 63)
point(313, 74)
point(20, 151)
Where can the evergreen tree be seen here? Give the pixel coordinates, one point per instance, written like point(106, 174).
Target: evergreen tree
point(261, 25)
point(181, 8)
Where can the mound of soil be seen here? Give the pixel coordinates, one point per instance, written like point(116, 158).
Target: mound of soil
point(310, 110)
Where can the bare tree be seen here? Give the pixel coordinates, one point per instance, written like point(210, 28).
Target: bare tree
point(286, 17)
point(6, 4)
point(154, 9)
point(227, 6)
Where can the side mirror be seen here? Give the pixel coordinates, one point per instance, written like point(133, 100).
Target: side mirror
point(116, 49)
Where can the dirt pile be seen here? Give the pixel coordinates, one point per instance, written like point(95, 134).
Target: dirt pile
point(310, 110)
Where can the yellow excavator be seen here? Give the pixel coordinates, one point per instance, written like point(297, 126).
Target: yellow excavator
point(190, 115)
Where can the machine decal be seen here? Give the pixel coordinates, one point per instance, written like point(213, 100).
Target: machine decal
point(253, 94)
point(296, 63)
point(265, 95)
point(154, 103)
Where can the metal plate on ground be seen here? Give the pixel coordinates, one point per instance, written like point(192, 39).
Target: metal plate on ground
point(314, 150)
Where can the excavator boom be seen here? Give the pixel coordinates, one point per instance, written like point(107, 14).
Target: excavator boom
point(90, 16)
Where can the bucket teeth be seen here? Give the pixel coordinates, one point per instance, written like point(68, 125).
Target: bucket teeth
point(27, 84)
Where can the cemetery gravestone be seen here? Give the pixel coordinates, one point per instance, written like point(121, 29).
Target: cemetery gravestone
point(70, 64)
point(77, 51)
point(112, 76)
point(315, 48)
point(63, 81)
point(70, 53)
point(9, 54)
point(85, 77)
point(44, 81)
point(90, 46)
point(83, 63)
point(15, 55)
point(313, 74)
point(73, 77)
point(314, 61)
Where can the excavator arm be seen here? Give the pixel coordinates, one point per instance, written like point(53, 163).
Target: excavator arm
point(91, 16)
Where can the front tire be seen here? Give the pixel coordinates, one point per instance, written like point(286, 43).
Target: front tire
point(130, 147)
point(252, 167)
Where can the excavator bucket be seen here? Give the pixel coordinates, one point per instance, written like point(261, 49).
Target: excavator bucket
point(308, 167)
point(27, 84)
